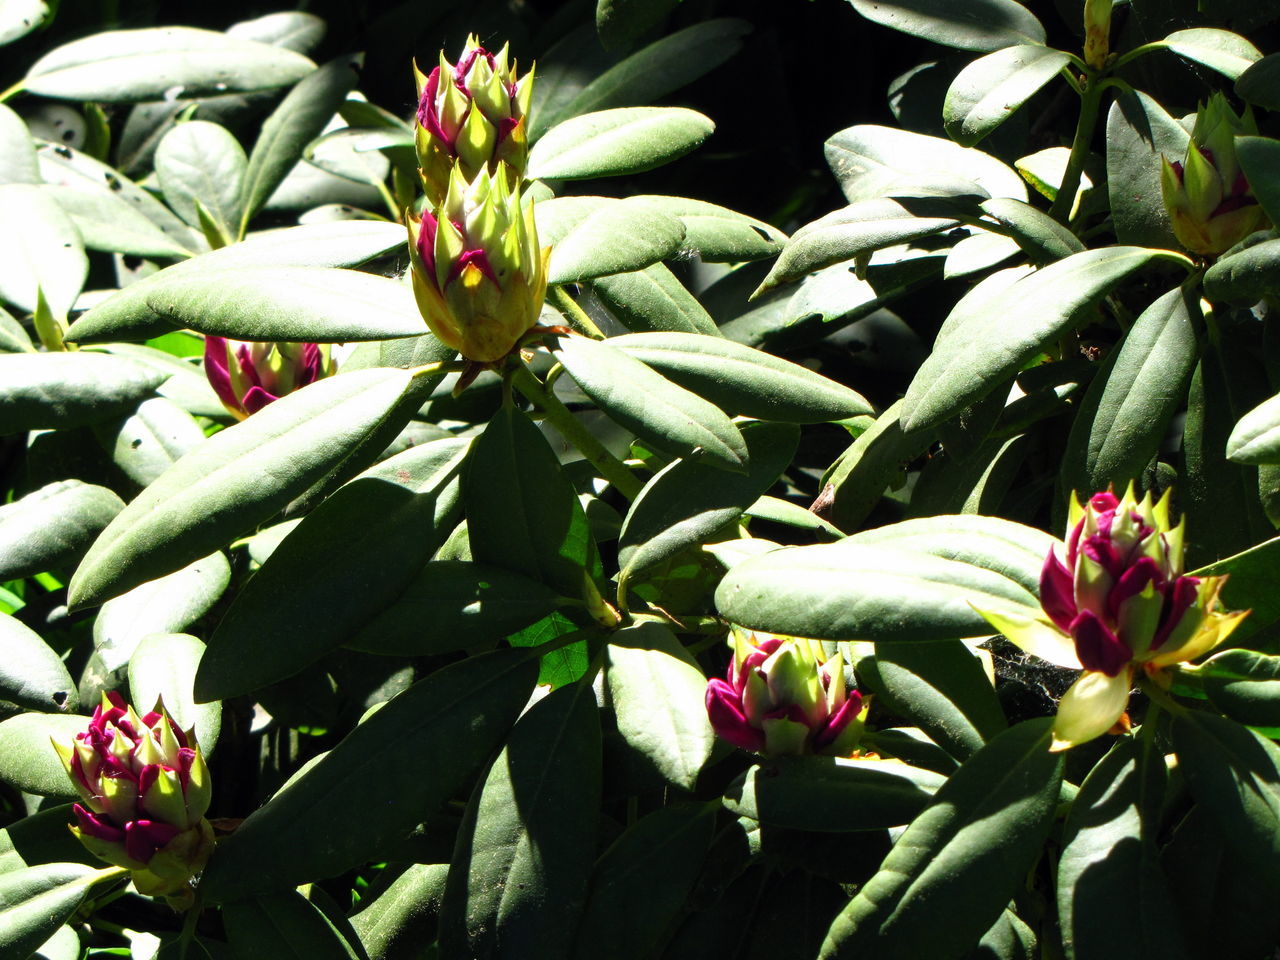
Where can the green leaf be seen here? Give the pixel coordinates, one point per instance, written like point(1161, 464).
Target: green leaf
point(106, 221)
point(620, 22)
point(451, 605)
point(872, 162)
point(988, 91)
point(1008, 939)
point(201, 163)
point(1132, 400)
point(687, 502)
point(40, 251)
point(64, 390)
point(20, 17)
point(1255, 439)
point(1235, 774)
point(27, 758)
point(285, 925)
point(1040, 236)
point(42, 837)
point(658, 411)
point(831, 795)
point(1244, 685)
point(911, 581)
point(959, 863)
point(659, 699)
point(32, 675)
point(13, 336)
point(163, 667)
point(1246, 276)
point(402, 916)
point(52, 526)
point(743, 381)
point(386, 523)
point(36, 901)
point(1250, 586)
point(1139, 132)
point(856, 231)
point(653, 299)
point(941, 688)
point(315, 304)
point(518, 878)
point(300, 117)
point(349, 244)
point(1228, 53)
point(1109, 856)
point(522, 512)
point(641, 882)
point(977, 25)
point(237, 479)
point(595, 236)
point(981, 350)
point(155, 63)
point(454, 719)
point(653, 72)
point(167, 605)
point(618, 142)
point(1258, 156)
point(152, 439)
point(717, 234)
point(17, 152)
point(1260, 83)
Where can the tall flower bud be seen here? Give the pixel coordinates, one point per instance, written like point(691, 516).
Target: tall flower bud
point(471, 113)
point(1116, 600)
point(248, 376)
point(1097, 32)
point(478, 273)
point(781, 698)
point(1210, 203)
point(145, 789)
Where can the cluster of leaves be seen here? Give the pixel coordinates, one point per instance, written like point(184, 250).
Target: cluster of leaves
point(447, 655)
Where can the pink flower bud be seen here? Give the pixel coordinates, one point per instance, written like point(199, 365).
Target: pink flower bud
point(248, 376)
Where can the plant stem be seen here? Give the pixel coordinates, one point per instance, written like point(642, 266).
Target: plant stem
point(576, 316)
point(1090, 101)
point(610, 467)
point(10, 91)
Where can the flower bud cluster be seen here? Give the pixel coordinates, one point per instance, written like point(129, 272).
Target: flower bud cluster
point(248, 376)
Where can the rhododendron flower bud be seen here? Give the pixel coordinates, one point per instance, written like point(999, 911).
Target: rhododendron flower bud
point(1210, 203)
point(780, 698)
point(1097, 32)
point(248, 376)
point(145, 789)
point(1116, 600)
point(472, 114)
point(478, 273)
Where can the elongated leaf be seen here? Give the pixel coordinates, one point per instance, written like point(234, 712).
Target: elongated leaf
point(832, 795)
point(17, 152)
point(872, 162)
point(743, 381)
point(63, 390)
point(1257, 156)
point(1260, 83)
point(1242, 684)
point(655, 409)
point(653, 299)
point(27, 758)
point(718, 234)
point(32, 675)
point(402, 916)
point(910, 581)
point(170, 604)
point(983, 350)
point(36, 901)
point(386, 524)
point(619, 22)
point(1256, 438)
point(155, 437)
point(619, 142)
point(1250, 586)
point(642, 880)
point(596, 236)
point(1228, 53)
point(237, 479)
point(1131, 401)
point(40, 251)
point(518, 879)
point(958, 864)
point(1139, 132)
point(288, 303)
point(106, 221)
point(454, 719)
point(988, 91)
point(285, 925)
point(201, 163)
point(163, 669)
point(13, 336)
point(299, 119)
point(152, 64)
point(941, 688)
point(1245, 277)
point(688, 501)
point(52, 526)
point(1041, 237)
point(857, 230)
point(659, 698)
point(349, 244)
point(452, 605)
point(982, 25)
point(20, 17)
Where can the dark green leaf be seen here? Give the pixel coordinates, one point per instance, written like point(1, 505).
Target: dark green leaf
point(1139, 132)
point(1244, 685)
point(988, 91)
point(1256, 438)
point(32, 675)
point(153, 438)
point(1257, 157)
point(1228, 53)
point(618, 142)
point(620, 22)
point(36, 901)
point(27, 758)
point(1245, 277)
point(199, 163)
point(52, 526)
point(977, 25)
point(418, 750)
point(1260, 83)
point(285, 925)
point(63, 390)
point(400, 918)
point(718, 234)
point(1041, 237)
point(595, 236)
point(163, 668)
point(953, 871)
point(653, 299)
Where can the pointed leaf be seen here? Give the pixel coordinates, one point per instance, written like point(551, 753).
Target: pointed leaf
point(36, 901)
point(979, 25)
point(619, 142)
point(1139, 132)
point(199, 162)
point(285, 925)
point(153, 438)
point(653, 299)
point(27, 758)
point(52, 526)
point(1260, 83)
point(718, 234)
point(1258, 156)
point(1256, 438)
point(40, 250)
point(163, 667)
point(1228, 53)
point(32, 675)
point(1246, 276)
point(1243, 685)
point(403, 915)
point(988, 91)
point(596, 236)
